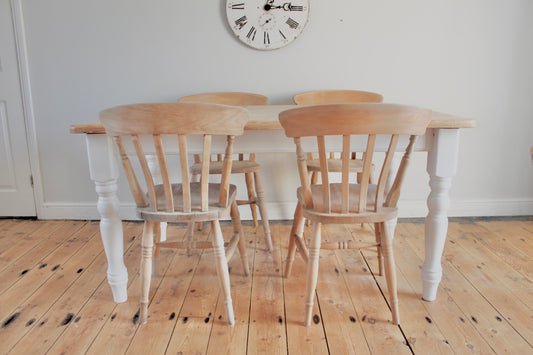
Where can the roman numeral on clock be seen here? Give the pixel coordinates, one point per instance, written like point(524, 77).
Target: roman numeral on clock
point(238, 6)
point(292, 24)
point(251, 33)
point(266, 38)
point(241, 22)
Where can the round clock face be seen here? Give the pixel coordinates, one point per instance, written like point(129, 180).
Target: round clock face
point(267, 24)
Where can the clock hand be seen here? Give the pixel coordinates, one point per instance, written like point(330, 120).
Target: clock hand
point(286, 6)
point(268, 6)
point(289, 7)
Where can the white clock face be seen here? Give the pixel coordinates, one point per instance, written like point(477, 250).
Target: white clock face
point(267, 24)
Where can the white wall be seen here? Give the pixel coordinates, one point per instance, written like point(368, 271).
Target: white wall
point(469, 58)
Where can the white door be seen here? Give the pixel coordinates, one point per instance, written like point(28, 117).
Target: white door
point(16, 191)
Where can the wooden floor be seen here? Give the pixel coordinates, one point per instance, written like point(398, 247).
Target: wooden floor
point(54, 296)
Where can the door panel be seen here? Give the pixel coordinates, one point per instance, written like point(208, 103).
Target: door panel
point(16, 191)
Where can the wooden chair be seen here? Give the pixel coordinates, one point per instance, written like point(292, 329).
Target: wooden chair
point(247, 166)
point(342, 203)
point(186, 201)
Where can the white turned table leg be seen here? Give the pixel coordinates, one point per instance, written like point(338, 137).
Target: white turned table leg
point(112, 238)
point(441, 167)
point(104, 173)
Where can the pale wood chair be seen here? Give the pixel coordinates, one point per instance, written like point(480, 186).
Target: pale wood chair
point(143, 125)
point(343, 203)
point(245, 165)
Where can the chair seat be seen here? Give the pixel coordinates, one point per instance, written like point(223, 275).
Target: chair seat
point(215, 211)
point(237, 167)
point(353, 216)
point(335, 165)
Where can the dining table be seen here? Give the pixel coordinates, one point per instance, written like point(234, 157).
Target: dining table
point(264, 134)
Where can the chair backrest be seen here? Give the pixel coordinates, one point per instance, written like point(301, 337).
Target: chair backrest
point(178, 120)
point(345, 120)
point(324, 97)
point(227, 98)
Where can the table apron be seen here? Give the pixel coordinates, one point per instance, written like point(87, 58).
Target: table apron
point(263, 142)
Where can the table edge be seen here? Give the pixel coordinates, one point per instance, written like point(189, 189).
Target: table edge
point(439, 120)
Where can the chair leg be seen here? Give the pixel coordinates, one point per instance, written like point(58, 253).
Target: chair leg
point(387, 236)
point(291, 252)
point(378, 233)
point(263, 210)
point(251, 196)
point(371, 180)
point(314, 181)
point(312, 272)
point(157, 248)
point(296, 231)
point(237, 229)
point(222, 270)
point(194, 178)
point(314, 178)
point(190, 235)
point(146, 269)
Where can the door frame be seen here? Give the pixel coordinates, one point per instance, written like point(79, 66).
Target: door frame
point(27, 104)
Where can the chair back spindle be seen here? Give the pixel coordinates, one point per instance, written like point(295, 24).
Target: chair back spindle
point(204, 177)
point(148, 179)
point(226, 171)
point(321, 141)
point(161, 158)
point(394, 194)
point(136, 189)
point(304, 174)
point(345, 174)
point(385, 171)
point(367, 162)
point(184, 165)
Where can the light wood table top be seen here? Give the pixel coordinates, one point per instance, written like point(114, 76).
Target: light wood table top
point(266, 118)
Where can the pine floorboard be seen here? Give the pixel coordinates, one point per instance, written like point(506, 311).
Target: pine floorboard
point(55, 299)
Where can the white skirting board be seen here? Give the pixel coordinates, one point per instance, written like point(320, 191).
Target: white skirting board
point(285, 210)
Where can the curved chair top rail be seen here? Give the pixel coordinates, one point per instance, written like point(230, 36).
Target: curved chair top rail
point(321, 97)
point(352, 119)
point(174, 118)
point(227, 98)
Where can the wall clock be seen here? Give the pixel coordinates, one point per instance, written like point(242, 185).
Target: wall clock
point(267, 24)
